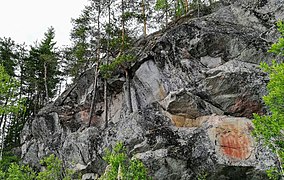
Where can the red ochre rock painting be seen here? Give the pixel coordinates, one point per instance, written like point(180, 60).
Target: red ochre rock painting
point(234, 142)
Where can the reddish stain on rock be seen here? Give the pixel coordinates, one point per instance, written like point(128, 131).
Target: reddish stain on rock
point(84, 116)
point(244, 107)
point(234, 143)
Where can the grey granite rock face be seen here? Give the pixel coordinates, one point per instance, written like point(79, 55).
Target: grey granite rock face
point(194, 87)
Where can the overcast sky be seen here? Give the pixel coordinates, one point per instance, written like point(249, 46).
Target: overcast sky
point(28, 20)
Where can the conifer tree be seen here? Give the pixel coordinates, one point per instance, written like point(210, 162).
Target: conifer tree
point(7, 55)
point(41, 70)
point(107, 62)
point(164, 6)
point(79, 55)
point(97, 5)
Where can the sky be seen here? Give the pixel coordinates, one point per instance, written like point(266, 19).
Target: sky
point(28, 20)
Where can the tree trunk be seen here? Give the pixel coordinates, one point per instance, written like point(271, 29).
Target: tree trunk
point(35, 101)
point(167, 13)
point(186, 5)
point(105, 81)
point(128, 91)
point(3, 136)
point(122, 25)
point(198, 8)
point(105, 103)
point(93, 102)
point(2, 116)
point(176, 8)
point(144, 18)
point(45, 82)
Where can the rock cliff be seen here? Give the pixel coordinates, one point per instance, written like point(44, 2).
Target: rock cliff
point(194, 88)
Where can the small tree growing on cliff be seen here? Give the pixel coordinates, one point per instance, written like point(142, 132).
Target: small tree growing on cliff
point(120, 167)
point(53, 170)
point(270, 127)
point(123, 58)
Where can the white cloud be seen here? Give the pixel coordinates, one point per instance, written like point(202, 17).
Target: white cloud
point(27, 20)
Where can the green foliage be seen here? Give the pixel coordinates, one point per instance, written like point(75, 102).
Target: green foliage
point(42, 60)
point(116, 159)
point(119, 166)
point(128, 15)
point(53, 170)
point(270, 127)
point(273, 173)
point(7, 55)
point(10, 107)
point(10, 169)
point(202, 176)
point(107, 69)
point(80, 53)
point(277, 47)
point(15, 127)
point(180, 9)
point(137, 170)
point(8, 91)
point(17, 172)
point(7, 160)
point(162, 5)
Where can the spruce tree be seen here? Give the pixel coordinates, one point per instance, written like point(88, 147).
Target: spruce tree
point(7, 55)
point(41, 70)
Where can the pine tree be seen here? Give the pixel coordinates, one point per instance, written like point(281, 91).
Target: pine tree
point(97, 6)
point(79, 54)
point(107, 62)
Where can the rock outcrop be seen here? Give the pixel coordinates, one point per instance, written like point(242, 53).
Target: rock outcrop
point(194, 87)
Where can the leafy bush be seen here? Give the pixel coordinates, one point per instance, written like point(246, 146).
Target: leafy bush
point(17, 172)
point(7, 160)
point(270, 127)
point(120, 167)
point(53, 170)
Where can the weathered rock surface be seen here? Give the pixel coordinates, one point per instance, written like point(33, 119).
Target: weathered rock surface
point(194, 87)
